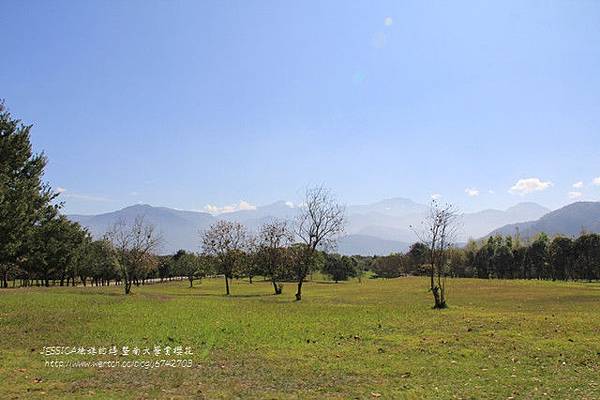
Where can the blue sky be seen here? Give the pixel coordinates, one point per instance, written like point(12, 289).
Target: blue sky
point(189, 104)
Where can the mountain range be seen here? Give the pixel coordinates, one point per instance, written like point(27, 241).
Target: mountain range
point(570, 220)
point(372, 229)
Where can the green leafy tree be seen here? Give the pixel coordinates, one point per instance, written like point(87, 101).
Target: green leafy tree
point(536, 258)
point(502, 259)
point(24, 198)
point(587, 263)
point(339, 268)
point(103, 265)
point(417, 257)
point(561, 257)
point(192, 266)
point(391, 266)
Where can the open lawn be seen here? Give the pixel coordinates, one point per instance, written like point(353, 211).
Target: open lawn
point(375, 339)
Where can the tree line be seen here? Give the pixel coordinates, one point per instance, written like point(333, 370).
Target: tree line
point(39, 246)
point(505, 257)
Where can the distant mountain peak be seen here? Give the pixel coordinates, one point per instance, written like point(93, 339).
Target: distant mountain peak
point(279, 203)
point(569, 220)
point(527, 206)
point(395, 206)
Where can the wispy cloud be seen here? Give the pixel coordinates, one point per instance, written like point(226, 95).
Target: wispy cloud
point(575, 195)
point(529, 185)
point(596, 181)
point(436, 196)
point(87, 197)
point(242, 205)
point(578, 185)
point(472, 192)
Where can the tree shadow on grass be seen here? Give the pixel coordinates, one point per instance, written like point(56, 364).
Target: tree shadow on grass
point(220, 295)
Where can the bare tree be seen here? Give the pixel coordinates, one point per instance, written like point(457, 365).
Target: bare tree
point(273, 239)
point(135, 245)
point(438, 233)
point(320, 221)
point(226, 242)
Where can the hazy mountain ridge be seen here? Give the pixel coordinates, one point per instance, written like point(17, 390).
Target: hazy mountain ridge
point(398, 226)
point(478, 224)
point(369, 245)
point(570, 220)
point(372, 229)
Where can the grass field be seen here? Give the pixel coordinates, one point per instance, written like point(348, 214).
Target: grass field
point(376, 339)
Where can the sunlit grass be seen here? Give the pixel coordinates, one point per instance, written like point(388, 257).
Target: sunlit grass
point(498, 339)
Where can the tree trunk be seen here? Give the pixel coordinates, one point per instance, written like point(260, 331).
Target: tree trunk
point(436, 297)
point(299, 292)
point(127, 286)
point(277, 288)
point(227, 285)
point(191, 282)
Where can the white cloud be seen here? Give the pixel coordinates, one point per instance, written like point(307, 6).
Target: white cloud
point(491, 191)
point(575, 195)
point(87, 197)
point(81, 196)
point(472, 192)
point(578, 185)
point(596, 181)
point(388, 21)
point(436, 196)
point(529, 185)
point(133, 193)
point(242, 205)
point(289, 204)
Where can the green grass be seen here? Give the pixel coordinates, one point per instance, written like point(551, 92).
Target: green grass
point(498, 339)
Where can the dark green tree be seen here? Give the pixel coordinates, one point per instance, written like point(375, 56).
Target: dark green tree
point(339, 268)
point(587, 247)
point(536, 258)
point(561, 258)
point(24, 198)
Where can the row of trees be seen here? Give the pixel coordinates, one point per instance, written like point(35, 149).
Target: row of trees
point(559, 258)
point(233, 252)
point(273, 252)
point(38, 245)
point(126, 255)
